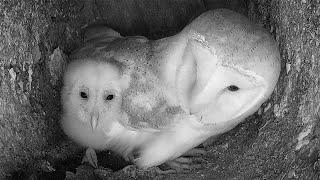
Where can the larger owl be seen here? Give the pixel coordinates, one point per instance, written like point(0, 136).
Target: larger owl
point(161, 98)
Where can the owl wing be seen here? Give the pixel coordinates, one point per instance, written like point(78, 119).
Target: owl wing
point(161, 131)
point(158, 136)
point(185, 133)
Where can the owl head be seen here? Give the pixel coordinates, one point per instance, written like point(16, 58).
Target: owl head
point(91, 100)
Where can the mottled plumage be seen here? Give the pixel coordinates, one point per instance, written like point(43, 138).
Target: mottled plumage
point(168, 95)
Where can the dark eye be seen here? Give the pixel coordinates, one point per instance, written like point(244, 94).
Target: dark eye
point(233, 88)
point(109, 97)
point(83, 95)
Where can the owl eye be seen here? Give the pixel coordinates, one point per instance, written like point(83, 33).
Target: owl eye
point(83, 95)
point(109, 97)
point(233, 88)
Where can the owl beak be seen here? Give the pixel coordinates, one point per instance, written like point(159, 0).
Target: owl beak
point(94, 120)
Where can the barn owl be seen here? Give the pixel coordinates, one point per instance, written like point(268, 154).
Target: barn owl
point(160, 98)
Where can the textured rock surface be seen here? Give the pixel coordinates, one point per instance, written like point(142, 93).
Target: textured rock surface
point(279, 142)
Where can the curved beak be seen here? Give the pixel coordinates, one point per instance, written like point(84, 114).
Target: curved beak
point(94, 120)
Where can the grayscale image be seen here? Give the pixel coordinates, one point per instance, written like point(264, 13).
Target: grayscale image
point(159, 89)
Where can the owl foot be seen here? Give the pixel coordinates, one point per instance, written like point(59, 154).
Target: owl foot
point(180, 165)
point(91, 158)
point(189, 161)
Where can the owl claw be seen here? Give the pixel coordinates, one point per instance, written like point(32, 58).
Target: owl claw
point(90, 157)
point(190, 160)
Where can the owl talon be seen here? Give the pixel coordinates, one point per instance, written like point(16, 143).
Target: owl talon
point(190, 160)
point(179, 165)
point(164, 172)
point(90, 157)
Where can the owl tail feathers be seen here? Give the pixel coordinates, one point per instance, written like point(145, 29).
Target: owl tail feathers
point(173, 143)
point(99, 31)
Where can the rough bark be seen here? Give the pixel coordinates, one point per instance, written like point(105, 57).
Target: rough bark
point(281, 141)
point(29, 95)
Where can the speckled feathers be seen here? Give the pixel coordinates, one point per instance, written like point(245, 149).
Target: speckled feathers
point(164, 97)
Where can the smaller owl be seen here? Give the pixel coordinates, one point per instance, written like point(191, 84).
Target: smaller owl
point(92, 99)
